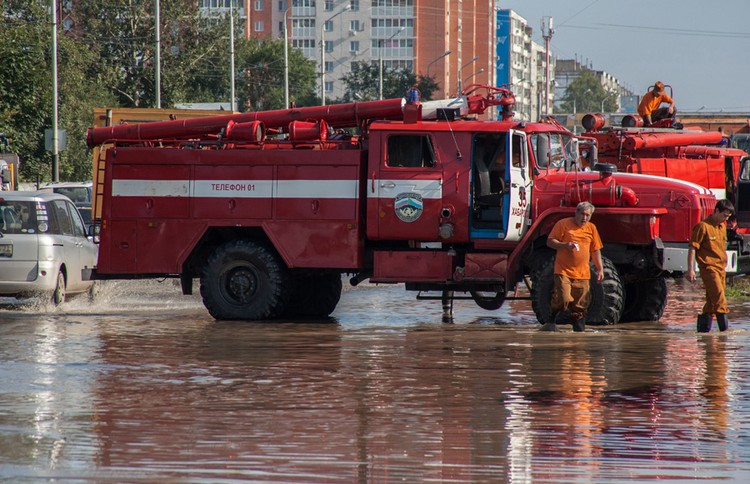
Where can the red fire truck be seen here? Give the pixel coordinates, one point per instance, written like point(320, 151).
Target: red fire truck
point(684, 154)
point(269, 209)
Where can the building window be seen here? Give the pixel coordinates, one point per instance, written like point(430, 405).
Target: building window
point(328, 5)
point(329, 46)
point(328, 26)
point(354, 5)
point(354, 46)
point(283, 5)
point(258, 5)
point(329, 86)
point(354, 26)
point(329, 66)
point(258, 26)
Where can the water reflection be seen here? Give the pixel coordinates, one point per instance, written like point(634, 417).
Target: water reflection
point(385, 392)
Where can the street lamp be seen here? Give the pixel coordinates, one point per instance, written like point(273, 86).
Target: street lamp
point(286, 61)
point(323, 54)
point(380, 56)
point(476, 58)
point(446, 53)
point(475, 74)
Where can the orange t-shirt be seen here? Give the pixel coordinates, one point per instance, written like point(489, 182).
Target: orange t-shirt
point(710, 243)
point(575, 263)
point(650, 102)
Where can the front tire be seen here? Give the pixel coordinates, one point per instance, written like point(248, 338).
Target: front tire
point(244, 280)
point(58, 296)
point(607, 298)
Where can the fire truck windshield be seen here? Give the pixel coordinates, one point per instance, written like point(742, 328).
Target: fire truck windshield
point(554, 150)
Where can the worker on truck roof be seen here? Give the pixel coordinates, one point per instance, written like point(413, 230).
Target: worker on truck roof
point(649, 108)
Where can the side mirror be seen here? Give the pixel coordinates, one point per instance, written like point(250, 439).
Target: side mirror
point(93, 232)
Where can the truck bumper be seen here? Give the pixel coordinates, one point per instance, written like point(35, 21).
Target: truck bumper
point(675, 259)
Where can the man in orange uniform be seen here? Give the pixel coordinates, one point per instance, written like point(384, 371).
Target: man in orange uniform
point(576, 241)
point(708, 246)
point(649, 107)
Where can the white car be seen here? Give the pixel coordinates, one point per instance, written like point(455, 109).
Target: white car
point(44, 247)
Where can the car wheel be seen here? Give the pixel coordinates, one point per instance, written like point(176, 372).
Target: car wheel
point(93, 291)
point(58, 297)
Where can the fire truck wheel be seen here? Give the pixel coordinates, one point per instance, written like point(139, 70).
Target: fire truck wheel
point(58, 297)
point(607, 298)
point(314, 296)
point(488, 300)
point(645, 300)
point(244, 280)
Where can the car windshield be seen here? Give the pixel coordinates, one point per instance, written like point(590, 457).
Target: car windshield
point(562, 150)
point(20, 217)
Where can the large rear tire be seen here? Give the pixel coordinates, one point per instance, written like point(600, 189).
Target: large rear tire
point(607, 298)
point(314, 295)
point(645, 300)
point(244, 280)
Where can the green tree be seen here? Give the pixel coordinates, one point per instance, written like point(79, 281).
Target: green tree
point(586, 94)
point(260, 68)
point(363, 82)
point(26, 91)
point(194, 50)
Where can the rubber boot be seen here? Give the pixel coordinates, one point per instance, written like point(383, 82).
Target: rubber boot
point(704, 323)
point(722, 321)
point(560, 318)
point(579, 324)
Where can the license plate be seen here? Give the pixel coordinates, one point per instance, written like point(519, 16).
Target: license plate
point(6, 250)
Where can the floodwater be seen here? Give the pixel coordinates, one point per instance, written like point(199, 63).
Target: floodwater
point(143, 386)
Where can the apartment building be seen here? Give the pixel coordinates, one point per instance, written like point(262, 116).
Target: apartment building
point(450, 40)
point(521, 64)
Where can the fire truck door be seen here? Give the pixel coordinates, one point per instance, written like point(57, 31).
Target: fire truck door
point(518, 209)
point(742, 203)
point(405, 189)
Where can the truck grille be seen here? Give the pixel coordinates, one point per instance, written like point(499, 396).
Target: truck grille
point(708, 203)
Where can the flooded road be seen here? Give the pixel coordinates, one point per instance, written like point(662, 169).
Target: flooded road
point(144, 386)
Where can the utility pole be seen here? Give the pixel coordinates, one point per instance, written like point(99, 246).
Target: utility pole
point(232, 99)
point(547, 31)
point(286, 60)
point(323, 54)
point(157, 64)
point(55, 140)
point(380, 61)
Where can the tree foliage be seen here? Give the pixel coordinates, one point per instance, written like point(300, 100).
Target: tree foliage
point(363, 83)
point(586, 94)
point(26, 91)
point(108, 60)
point(260, 71)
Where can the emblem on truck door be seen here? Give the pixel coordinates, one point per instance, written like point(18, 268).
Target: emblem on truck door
point(408, 206)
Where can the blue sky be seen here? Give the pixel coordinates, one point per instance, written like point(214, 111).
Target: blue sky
point(701, 48)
